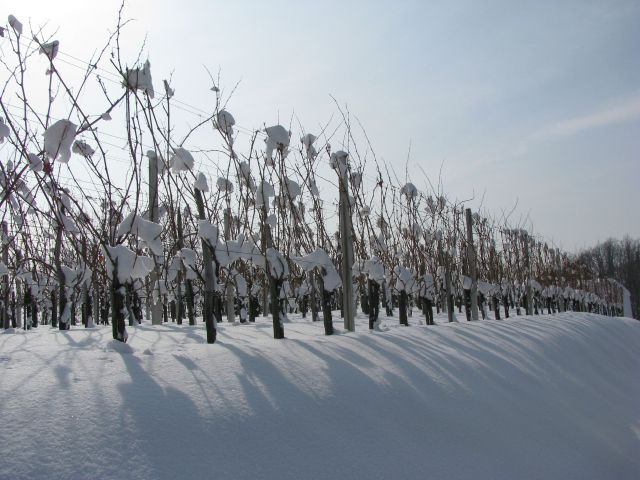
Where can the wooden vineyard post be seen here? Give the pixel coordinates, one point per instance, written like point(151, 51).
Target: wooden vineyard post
point(156, 307)
point(444, 262)
point(527, 263)
point(5, 277)
point(347, 256)
point(230, 307)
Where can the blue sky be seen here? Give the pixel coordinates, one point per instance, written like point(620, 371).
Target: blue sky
point(534, 103)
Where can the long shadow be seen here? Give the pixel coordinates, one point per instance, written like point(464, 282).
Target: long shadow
point(155, 419)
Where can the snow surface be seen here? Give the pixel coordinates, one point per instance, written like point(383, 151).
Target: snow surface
point(544, 397)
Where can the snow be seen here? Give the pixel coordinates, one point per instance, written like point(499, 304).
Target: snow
point(69, 225)
point(409, 190)
point(277, 139)
point(15, 24)
point(140, 79)
point(292, 187)
point(58, 139)
point(307, 142)
point(278, 135)
point(208, 232)
point(188, 257)
point(201, 183)
point(374, 268)
point(525, 398)
point(35, 163)
point(277, 264)
point(264, 192)
point(244, 175)
point(182, 160)
point(319, 259)
point(240, 248)
point(130, 265)
point(168, 91)
point(4, 130)
point(82, 148)
point(149, 232)
point(404, 279)
point(50, 49)
point(338, 162)
point(225, 122)
point(224, 185)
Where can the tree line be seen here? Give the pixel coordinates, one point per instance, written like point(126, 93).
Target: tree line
point(618, 259)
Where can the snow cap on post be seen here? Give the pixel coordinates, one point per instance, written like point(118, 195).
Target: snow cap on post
point(277, 264)
point(208, 232)
point(201, 183)
point(338, 162)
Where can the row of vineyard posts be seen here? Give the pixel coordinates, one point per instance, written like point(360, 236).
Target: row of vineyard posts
point(80, 240)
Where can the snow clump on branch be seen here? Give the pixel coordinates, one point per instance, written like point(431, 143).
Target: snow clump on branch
point(58, 139)
point(129, 265)
point(225, 122)
point(409, 190)
point(224, 185)
point(15, 24)
point(277, 139)
point(4, 130)
point(50, 49)
point(140, 79)
point(182, 160)
point(82, 148)
point(320, 259)
point(149, 232)
point(307, 142)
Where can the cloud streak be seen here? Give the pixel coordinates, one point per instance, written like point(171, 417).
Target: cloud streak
point(622, 111)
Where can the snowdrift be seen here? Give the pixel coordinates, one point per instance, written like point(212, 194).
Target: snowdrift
point(525, 398)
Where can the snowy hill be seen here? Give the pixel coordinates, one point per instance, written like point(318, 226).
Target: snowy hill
point(540, 397)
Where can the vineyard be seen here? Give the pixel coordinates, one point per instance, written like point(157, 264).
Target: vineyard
point(114, 212)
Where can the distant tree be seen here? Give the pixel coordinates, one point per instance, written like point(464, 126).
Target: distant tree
point(620, 260)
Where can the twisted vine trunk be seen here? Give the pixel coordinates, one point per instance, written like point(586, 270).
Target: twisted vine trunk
point(209, 277)
point(118, 293)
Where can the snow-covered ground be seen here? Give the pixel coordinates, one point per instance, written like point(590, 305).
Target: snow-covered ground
point(544, 397)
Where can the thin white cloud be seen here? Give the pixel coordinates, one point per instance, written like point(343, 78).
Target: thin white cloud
point(622, 111)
